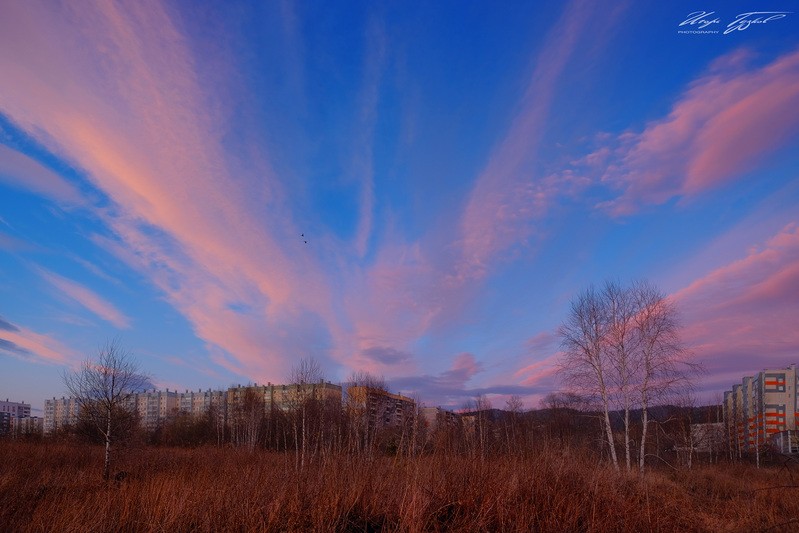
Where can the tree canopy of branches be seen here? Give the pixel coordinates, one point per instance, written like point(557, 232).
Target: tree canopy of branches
point(103, 388)
point(303, 376)
point(622, 348)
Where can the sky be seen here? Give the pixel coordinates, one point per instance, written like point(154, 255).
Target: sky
point(414, 189)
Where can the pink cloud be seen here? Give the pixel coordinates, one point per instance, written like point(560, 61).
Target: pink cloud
point(21, 171)
point(539, 372)
point(363, 162)
point(87, 298)
point(113, 90)
point(728, 121)
point(390, 304)
point(742, 316)
point(506, 195)
point(25, 344)
point(12, 244)
point(412, 287)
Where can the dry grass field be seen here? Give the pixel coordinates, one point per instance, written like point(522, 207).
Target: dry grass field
point(58, 487)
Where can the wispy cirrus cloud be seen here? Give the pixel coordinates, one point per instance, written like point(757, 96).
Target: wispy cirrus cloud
point(19, 170)
point(729, 120)
point(112, 89)
point(508, 194)
point(412, 287)
point(363, 164)
point(5, 325)
point(455, 389)
point(87, 298)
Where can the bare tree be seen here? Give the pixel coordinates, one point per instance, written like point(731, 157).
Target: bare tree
point(363, 391)
point(621, 344)
point(586, 364)
point(103, 389)
point(560, 410)
point(303, 376)
point(663, 367)
point(514, 407)
point(622, 347)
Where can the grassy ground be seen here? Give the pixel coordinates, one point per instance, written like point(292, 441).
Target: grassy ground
point(57, 487)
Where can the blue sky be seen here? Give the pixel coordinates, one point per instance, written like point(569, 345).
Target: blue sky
point(460, 170)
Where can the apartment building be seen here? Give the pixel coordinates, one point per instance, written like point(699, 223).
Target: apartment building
point(29, 425)
point(10, 412)
point(382, 409)
point(200, 402)
point(281, 397)
point(15, 409)
point(154, 406)
point(60, 413)
point(762, 408)
point(436, 417)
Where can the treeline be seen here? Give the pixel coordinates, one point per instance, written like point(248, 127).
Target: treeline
point(315, 428)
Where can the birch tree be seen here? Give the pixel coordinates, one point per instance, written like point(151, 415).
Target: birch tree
point(586, 363)
point(622, 347)
point(621, 343)
point(662, 358)
point(104, 389)
point(303, 376)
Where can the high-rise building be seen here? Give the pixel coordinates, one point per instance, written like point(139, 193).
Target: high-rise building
point(200, 402)
point(10, 412)
point(16, 409)
point(154, 407)
point(281, 397)
point(381, 408)
point(29, 425)
point(60, 413)
point(763, 408)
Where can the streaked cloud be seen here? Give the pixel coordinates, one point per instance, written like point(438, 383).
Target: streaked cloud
point(727, 122)
point(137, 124)
point(197, 146)
point(507, 195)
point(741, 317)
point(5, 325)
point(24, 343)
point(87, 298)
point(20, 171)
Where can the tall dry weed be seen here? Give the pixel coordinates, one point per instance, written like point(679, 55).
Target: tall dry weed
point(58, 487)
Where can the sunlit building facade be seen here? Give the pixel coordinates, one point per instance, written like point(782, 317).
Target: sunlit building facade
point(762, 408)
point(382, 409)
point(60, 413)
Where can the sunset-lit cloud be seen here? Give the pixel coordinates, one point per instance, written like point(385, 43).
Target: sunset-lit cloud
point(506, 196)
point(729, 120)
point(740, 317)
point(21, 171)
point(88, 299)
point(410, 191)
point(26, 344)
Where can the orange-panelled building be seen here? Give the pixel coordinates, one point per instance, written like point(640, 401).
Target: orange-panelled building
point(763, 408)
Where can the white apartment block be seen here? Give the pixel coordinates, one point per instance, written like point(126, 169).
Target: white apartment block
point(198, 403)
point(762, 408)
point(154, 407)
point(29, 425)
point(16, 409)
point(60, 413)
point(10, 413)
point(381, 409)
point(282, 397)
